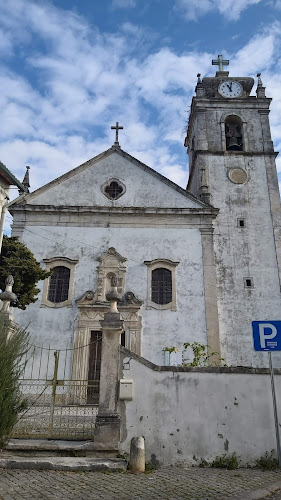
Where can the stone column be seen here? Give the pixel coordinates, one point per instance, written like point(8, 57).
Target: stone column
point(107, 429)
point(211, 305)
point(202, 143)
point(266, 134)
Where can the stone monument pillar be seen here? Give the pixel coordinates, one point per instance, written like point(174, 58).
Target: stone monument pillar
point(107, 429)
point(7, 297)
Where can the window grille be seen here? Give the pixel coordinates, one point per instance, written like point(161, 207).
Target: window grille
point(59, 284)
point(114, 190)
point(161, 286)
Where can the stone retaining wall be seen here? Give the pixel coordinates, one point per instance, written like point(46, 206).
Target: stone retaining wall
point(189, 414)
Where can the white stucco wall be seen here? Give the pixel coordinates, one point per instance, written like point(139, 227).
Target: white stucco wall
point(160, 328)
point(244, 252)
point(186, 416)
point(82, 187)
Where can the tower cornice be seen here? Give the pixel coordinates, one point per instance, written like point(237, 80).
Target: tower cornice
point(228, 154)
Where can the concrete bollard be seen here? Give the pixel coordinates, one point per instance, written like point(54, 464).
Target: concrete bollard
point(137, 455)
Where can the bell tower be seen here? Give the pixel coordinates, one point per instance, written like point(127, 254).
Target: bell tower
point(232, 167)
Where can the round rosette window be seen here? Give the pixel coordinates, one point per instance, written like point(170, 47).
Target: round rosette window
point(113, 189)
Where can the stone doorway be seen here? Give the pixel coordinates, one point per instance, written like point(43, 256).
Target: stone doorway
point(92, 307)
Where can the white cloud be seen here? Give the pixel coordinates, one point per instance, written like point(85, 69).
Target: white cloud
point(193, 9)
point(123, 3)
point(85, 81)
point(265, 44)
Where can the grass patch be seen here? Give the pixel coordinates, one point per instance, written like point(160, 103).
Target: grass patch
point(229, 462)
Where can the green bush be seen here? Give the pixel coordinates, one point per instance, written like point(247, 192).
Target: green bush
point(229, 462)
point(268, 461)
point(13, 347)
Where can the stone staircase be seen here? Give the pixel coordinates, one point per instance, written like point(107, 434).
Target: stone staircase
point(45, 454)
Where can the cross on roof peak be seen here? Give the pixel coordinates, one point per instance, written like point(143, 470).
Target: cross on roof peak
point(117, 127)
point(220, 62)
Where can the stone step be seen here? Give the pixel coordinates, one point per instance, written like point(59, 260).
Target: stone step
point(65, 464)
point(56, 447)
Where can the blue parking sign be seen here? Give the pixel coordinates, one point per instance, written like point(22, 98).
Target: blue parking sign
point(267, 335)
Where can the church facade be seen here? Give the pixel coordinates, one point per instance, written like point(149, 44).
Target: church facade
point(194, 265)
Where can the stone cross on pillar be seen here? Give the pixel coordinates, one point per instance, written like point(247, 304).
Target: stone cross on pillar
point(117, 127)
point(7, 297)
point(107, 429)
point(220, 62)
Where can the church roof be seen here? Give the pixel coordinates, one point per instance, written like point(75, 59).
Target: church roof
point(96, 159)
point(7, 175)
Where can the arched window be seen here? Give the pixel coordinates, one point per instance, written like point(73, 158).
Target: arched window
point(233, 133)
point(59, 284)
point(161, 286)
point(58, 287)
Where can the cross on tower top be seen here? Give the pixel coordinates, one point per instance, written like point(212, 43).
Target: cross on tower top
point(220, 62)
point(117, 127)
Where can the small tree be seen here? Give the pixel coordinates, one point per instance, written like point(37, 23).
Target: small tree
point(13, 347)
point(16, 259)
point(201, 357)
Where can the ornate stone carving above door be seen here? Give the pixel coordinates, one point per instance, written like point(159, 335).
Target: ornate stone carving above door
point(111, 263)
point(93, 305)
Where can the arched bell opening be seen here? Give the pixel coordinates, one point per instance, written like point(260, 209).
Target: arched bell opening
point(234, 133)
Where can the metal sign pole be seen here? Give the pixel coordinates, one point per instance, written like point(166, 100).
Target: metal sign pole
point(275, 409)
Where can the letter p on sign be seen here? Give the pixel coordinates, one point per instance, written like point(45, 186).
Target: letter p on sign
point(267, 335)
point(266, 327)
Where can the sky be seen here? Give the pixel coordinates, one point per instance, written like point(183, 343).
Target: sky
point(71, 68)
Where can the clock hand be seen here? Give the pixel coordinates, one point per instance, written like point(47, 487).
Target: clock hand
point(230, 87)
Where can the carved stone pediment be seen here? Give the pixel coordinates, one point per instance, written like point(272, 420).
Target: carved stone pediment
point(111, 257)
point(130, 299)
point(111, 264)
point(86, 299)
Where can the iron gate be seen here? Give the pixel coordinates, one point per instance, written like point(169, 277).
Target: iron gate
point(57, 405)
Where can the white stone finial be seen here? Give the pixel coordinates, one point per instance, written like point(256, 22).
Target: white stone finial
point(25, 181)
point(199, 89)
point(260, 88)
point(113, 297)
point(8, 296)
point(259, 79)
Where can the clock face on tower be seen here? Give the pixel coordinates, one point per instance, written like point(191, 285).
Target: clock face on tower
point(230, 88)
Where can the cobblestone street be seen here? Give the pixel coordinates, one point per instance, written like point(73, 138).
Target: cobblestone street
point(173, 483)
point(275, 496)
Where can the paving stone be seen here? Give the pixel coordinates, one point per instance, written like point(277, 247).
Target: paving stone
point(169, 483)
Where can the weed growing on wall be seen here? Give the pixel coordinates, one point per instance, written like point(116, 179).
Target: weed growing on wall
point(229, 462)
point(267, 461)
point(200, 355)
point(13, 347)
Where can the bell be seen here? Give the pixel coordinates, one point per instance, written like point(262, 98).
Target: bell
point(233, 144)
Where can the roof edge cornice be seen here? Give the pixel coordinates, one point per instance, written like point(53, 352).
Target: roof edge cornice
point(204, 210)
point(95, 159)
